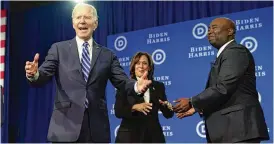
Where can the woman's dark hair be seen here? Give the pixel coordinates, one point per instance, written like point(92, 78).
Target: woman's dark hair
point(136, 59)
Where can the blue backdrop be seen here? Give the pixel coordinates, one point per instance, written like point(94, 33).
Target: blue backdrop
point(182, 57)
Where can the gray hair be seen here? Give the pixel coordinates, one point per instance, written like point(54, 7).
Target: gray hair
point(94, 11)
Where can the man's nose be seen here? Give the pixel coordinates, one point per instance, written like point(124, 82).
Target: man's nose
point(209, 31)
point(82, 20)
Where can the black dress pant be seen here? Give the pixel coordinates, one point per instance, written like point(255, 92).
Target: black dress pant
point(85, 134)
point(147, 136)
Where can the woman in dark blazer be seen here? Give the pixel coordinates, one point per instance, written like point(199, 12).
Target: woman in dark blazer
point(139, 114)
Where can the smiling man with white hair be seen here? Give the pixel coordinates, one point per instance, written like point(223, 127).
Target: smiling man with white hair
point(81, 68)
point(85, 20)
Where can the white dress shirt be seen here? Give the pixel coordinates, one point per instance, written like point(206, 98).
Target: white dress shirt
point(80, 43)
point(223, 47)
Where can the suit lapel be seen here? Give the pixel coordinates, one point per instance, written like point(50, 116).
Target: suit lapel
point(152, 95)
point(227, 47)
point(75, 61)
point(208, 78)
point(217, 61)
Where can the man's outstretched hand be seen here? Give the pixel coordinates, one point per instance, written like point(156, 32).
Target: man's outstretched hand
point(190, 112)
point(31, 68)
point(182, 105)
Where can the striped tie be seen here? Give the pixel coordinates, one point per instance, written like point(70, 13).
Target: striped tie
point(85, 65)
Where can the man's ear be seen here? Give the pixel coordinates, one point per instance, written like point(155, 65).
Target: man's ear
point(72, 23)
point(95, 25)
point(231, 32)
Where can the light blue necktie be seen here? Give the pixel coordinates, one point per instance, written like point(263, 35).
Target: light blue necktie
point(85, 61)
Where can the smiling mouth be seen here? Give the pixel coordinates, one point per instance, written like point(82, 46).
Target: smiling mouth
point(83, 28)
point(210, 37)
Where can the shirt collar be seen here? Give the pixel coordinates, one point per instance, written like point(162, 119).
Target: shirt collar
point(223, 47)
point(81, 41)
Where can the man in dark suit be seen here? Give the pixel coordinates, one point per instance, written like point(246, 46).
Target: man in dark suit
point(81, 68)
point(229, 104)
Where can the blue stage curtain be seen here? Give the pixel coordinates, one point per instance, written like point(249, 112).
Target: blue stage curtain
point(34, 31)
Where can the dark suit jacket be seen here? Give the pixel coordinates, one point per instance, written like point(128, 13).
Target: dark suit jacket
point(230, 104)
point(135, 125)
point(63, 62)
